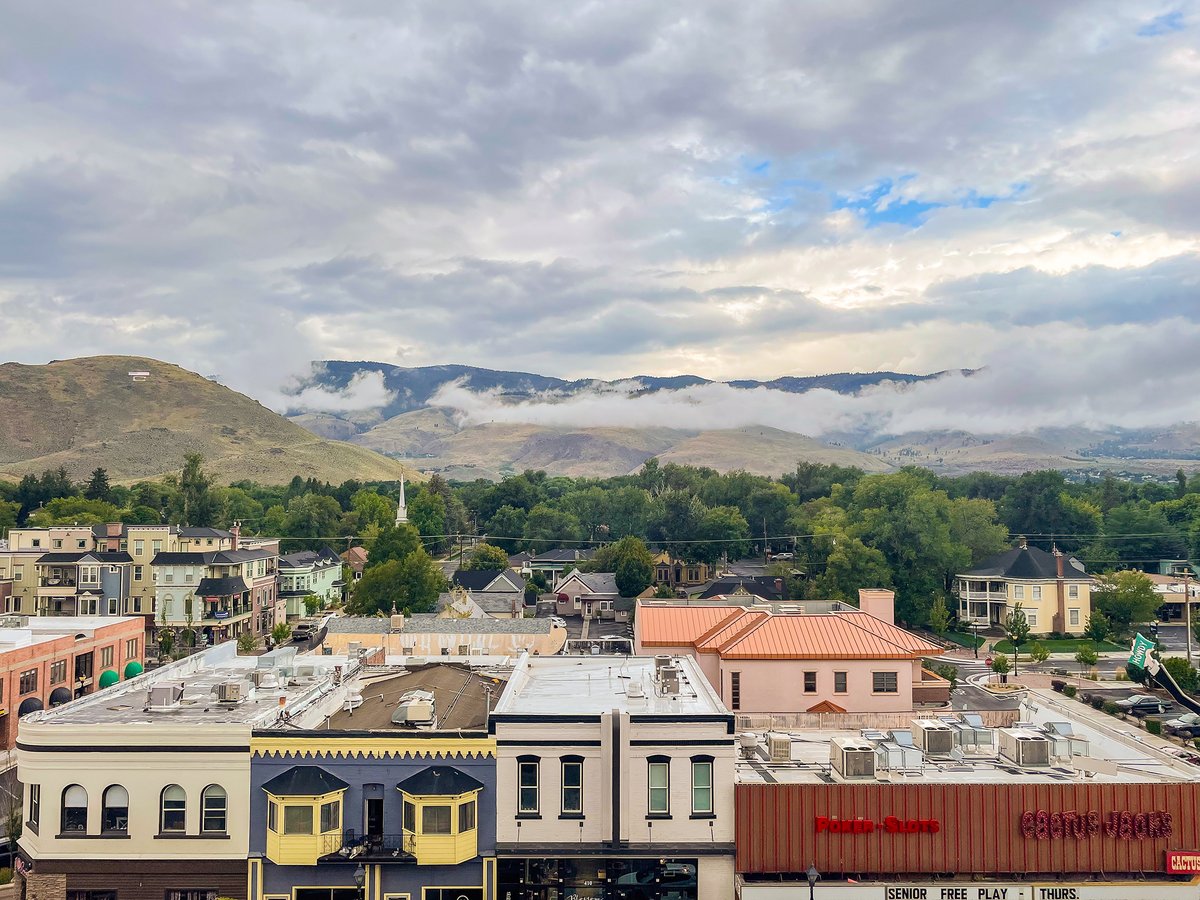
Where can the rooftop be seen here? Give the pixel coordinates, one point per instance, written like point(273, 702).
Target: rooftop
point(1083, 747)
point(592, 685)
point(21, 631)
point(460, 698)
point(1029, 563)
point(428, 623)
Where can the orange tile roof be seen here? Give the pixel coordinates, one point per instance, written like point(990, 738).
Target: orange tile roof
point(831, 636)
point(672, 626)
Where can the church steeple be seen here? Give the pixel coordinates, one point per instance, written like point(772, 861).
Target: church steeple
point(402, 508)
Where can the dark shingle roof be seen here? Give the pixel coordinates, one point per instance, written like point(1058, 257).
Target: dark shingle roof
point(84, 556)
point(221, 587)
point(480, 579)
point(304, 781)
point(189, 531)
point(759, 585)
point(441, 781)
point(209, 557)
point(1028, 562)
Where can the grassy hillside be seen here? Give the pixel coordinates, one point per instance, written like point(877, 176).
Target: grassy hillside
point(88, 412)
point(432, 439)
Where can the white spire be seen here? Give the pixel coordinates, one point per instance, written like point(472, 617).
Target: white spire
point(402, 509)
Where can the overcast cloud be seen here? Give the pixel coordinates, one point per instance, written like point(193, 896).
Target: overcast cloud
point(725, 189)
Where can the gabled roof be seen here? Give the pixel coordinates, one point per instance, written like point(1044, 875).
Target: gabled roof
point(602, 583)
point(209, 557)
point(82, 557)
point(1030, 563)
point(493, 580)
point(305, 558)
point(759, 585)
point(734, 626)
point(563, 556)
point(355, 555)
point(441, 781)
point(221, 587)
point(673, 626)
point(304, 781)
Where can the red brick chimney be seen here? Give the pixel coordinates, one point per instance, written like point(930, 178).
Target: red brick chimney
point(236, 531)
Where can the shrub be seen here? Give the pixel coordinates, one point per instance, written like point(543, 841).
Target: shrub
point(1196, 741)
point(1154, 726)
point(1055, 636)
point(1109, 707)
point(1058, 684)
point(1134, 673)
point(1069, 690)
point(1185, 676)
point(1097, 701)
point(6, 875)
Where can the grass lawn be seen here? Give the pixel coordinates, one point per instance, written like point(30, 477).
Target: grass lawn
point(1064, 645)
point(963, 640)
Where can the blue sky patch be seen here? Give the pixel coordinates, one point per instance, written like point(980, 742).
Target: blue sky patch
point(1164, 24)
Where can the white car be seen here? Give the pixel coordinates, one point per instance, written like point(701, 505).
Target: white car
point(784, 555)
point(558, 621)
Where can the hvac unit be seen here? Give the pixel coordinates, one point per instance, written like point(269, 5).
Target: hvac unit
point(163, 697)
point(852, 758)
point(230, 692)
point(414, 708)
point(669, 678)
point(748, 743)
point(660, 662)
point(1025, 748)
point(779, 747)
point(933, 738)
point(354, 648)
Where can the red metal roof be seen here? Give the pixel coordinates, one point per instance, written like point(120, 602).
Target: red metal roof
point(673, 626)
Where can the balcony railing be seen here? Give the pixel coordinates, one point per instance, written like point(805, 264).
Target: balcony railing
point(377, 847)
point(56, 581)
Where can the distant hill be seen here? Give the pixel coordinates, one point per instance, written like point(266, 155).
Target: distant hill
point(88, 412)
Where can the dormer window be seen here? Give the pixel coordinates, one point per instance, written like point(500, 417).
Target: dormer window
point(440, 806)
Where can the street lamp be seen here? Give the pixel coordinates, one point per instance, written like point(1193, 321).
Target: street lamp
point(360, 876)
point(813, 877)
point(975, 637)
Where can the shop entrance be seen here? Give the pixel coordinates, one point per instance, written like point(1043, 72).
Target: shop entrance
point(595, 878)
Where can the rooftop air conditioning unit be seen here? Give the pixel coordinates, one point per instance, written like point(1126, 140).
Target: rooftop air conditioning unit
point(1025, 748)
point(354, 648)
point(852, 758)
point(933, 737)
point(230, 692)
point(669, 676)
point(660, 661)
point(414, 708)
point(748, 743)
point(779, 748)
point(162, 697)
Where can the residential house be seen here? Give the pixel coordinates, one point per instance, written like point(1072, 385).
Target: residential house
point(316, 573)
point(18, 564)
point(430, 636)
point(587, 594)
point(550, 564)
point(460, 603)
point(765, 587)
point(613, 781)
point(220, 593)
point(677, 573)
point(356, 559)
point(47, 662)
point(496, 592)
point(761, 660)
point(1053, 590)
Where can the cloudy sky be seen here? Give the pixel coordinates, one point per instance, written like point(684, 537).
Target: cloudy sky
point(606, 188)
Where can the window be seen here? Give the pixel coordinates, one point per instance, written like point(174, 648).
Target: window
point(297, 820)
point(810, 682)
point(435, 820)
point(35, 804)
point(1018, 592)
point(37, 542)
point(139, 548)
point(192, 894)
point(464, 649)
point(58, 672)
point(56, 543)
point(106, 657)
point(115, 814)
point(131, 648)
point(445, 651)
point(735, 690)
point(885, 683)
point(74, 809)
point(659, 783)
point(466, 816)
point(410, 817)
point(89, 574)
point(272, 816)
point(1073, 617)
point(702, 785)
point(527, 785)
point(173, 809)
point(28, 681)
point(839, 682)
point(157, 546)
point(1031, 618)
point(137, 573)
point(81, 544)
point(213, 809)
point(331, 816)
point(572, 786)
point(1037, 592)
point(136, 604)
point(91, 895)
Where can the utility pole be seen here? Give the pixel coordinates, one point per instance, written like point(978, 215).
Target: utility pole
point(765, 551)
point(1187, 606)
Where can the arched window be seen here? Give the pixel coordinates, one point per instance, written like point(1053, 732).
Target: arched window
point(213, 808)
point(173, 810)
point(115, 814)
point(74, 809)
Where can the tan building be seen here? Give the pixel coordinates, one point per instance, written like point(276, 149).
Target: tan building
point(428, 635)
point(1053, 590)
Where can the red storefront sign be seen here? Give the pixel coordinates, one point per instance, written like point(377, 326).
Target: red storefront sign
point(889, 825)
point(1126, 825)
point(1183, 862)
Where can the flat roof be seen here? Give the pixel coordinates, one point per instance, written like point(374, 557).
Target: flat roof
point(592, 685)
point(461, 699)
point(42, 629)
point(1105, 750)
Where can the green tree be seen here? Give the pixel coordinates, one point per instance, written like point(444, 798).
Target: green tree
point(973, 525)
point(664, 592)
point(547, 527)
point(246, 642)
point(1138, 531)
point(1126, 598)
point(1086, 657)
point(394, 543)
point(312, 519)
point(1039, 653)
point(98, 487)
point(1016, 626)
point(197, 504)
point(631, 561)
point(411, 584)
point(8, 516)
point(939, 615)
point(726, 533)
point(1038, 506)
point(1000, 666)
point(1097, 627)
point(70, 510)
point(486, 556)
point(506, 528)
point(281, 632)
point(312, 605)
point(427, 513)
point(372, 509)
point(1185, 675)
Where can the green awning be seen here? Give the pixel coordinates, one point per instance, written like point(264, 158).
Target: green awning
point(133, 669)
point(108, 678)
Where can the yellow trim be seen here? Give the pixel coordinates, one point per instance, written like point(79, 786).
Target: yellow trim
point(308, 746)
point(251, 881)
point(452, 848)
point(302, 849)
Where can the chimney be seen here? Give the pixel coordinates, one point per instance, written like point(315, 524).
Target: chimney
point(779, 588)
point(1058, 560)
point(236, 531)
point(396, 621)
point(1022, 543)
point(878, 602)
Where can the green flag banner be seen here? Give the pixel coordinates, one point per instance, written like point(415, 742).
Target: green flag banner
point(1139, 653)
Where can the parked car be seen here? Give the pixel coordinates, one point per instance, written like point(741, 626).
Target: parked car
point(1186, 726)
point(303, 632)
point(1143, 704)
point(784, 555)
point(558, 621)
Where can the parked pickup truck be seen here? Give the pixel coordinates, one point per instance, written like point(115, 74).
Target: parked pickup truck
point(303, 632)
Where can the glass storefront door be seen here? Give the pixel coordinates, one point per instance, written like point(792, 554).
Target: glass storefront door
point(596, 878)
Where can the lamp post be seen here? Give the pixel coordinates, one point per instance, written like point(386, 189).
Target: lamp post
point(813, 877)
point(360, 877)
point(975, 637)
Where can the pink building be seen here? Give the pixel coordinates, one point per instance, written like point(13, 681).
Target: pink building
point(761, 661)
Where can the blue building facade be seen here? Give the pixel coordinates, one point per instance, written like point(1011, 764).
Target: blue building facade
point(338, 815)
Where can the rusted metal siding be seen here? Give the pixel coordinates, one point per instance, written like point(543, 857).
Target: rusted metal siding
point(979, 828)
